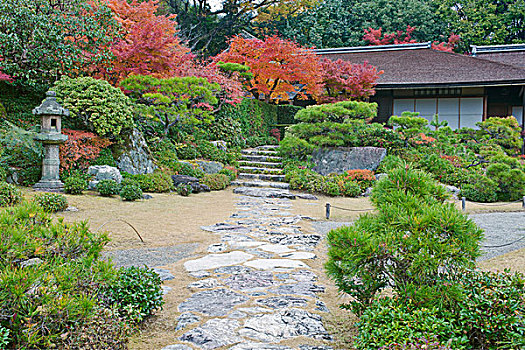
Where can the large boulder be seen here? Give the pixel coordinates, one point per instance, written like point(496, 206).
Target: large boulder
point(340, 159)
point(134, 156)
point(103, 172)
point(210, 167)
point(196, 186)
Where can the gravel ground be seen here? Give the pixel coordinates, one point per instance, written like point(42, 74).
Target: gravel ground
point(152, 257)
point(500, 229)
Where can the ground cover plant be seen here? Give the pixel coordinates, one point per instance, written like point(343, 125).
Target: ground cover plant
point(54, 284)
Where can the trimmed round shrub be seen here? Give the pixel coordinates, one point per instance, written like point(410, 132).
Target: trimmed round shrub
point(95, 104)
point(481, 189)
point(184, 189)
point(158, 182)
point(351, 189)
point(187, 169)
point(108, 188)
point(216, 182)
point(130, 193)
point(137, 293)
point(75, 184)
point(51, 202)
point(9, 194)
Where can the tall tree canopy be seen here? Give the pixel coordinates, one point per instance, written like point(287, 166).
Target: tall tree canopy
point(149, 44)
point(278, 67)
point(40, 40)
point(337, 23)
point(484, 22)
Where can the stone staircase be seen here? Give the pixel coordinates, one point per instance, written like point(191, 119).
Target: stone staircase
point(261, 167)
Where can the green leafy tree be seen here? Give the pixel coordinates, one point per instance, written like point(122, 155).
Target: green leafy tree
point(338, 23)
point(94, 105)
point(41, 40)
point(484, 22)
point(174, 101)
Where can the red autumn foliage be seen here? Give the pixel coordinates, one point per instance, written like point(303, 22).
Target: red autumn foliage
point(344, 80)
point(360, 175)
point(422, 139)
point(454, 160)
point(149, 44)
point(376, 37)
point(278, 66)
point(80, 148)
point(3, 76)
point(232, 90)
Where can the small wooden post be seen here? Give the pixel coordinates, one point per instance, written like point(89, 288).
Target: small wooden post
point(327, 211)
point(463, 203)
point(523, 202)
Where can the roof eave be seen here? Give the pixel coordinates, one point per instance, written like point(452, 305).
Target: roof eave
point(380, 86)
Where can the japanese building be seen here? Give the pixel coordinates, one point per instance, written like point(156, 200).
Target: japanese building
point(462, 90)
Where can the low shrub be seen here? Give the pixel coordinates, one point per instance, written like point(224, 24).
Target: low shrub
point(209, 151)
point(365, 178)
point(108, 188)
point(230, 172)
point(420, 344)
point(511, 182)
point(480, 189)
point(130, 192)
point(51, 202)
point(75, 184)
point(187, 151)
point(136, 292)
point(351, 189)
point(157, 182)
point(9, 194)
point(59, 292)
point(491, 313)
point(216, 182)
point(389, 163)
point(389, 321)
point(184, 189)
point(295, 148)
point(181, 168)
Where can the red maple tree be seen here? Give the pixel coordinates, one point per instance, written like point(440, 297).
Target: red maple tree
point(149, 44)
point(280, 67)
point(376, 37)
point(344, 80)
point(80, 148)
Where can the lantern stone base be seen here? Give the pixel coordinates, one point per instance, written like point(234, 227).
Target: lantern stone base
point(49, 185)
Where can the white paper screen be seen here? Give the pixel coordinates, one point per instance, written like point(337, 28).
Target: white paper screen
point(426, 107)
point(403, 105)
point(471, 112)
point(448, 109)
point(517, 112)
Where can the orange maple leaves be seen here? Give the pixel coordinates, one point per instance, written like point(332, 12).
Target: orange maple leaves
point(148, 45)
point(280, 67)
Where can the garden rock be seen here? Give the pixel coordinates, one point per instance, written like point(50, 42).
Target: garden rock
point(222, 145)
point(213, 261)
point(213, 334)
point(340, 159)
point(186, 319)
point(283, 302)
point(272, 264)
point(217, 302)
point(368, 192)
point(264, 192)
point(259, 346)
point(177, 347)
point(135, 156)
point(380, 176)
point(210, 167)
point(103, 172)
point(31, 262)
point(284, 324)
point(251, 280)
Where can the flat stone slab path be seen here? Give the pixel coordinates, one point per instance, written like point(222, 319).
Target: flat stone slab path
point(255, 288)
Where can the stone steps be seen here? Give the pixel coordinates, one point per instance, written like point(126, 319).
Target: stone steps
point(259, 151)
point(257, 170)
point(261, 158)
point(251, 163)
point(267, 177)
point(262, 184)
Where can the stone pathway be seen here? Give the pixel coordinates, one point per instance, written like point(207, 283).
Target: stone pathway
point(255, 290)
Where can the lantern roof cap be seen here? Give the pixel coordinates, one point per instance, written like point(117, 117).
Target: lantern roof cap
point(50, 106)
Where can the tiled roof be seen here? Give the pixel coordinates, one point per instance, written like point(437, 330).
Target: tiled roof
point(417, 65)
point(513, 55)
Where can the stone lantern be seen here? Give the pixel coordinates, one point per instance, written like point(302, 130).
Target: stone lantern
point(51, 137)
